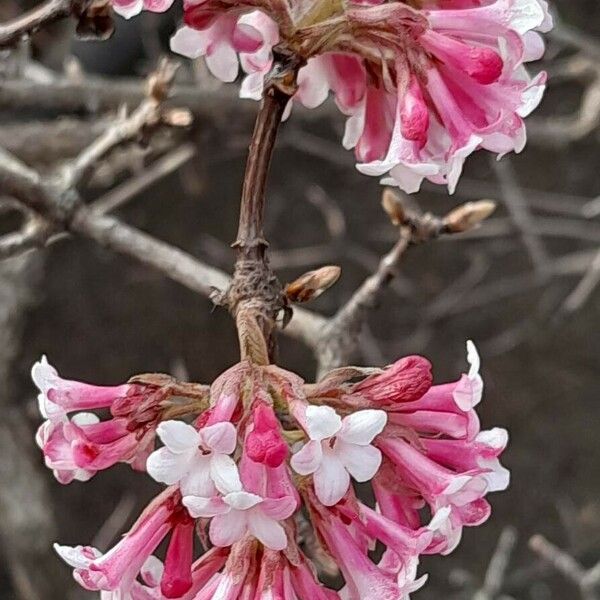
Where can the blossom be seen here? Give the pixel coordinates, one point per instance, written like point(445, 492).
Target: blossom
point(422, 87)
point(198, 460)
point(337, 449)
point(131, 8)
point(76, 447)
point(229, 472)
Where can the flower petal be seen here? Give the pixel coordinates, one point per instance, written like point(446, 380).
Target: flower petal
point(331, 479)
point(166, 466)
point(198, 481)
point(279, 508)
point(266, 530)
point(362, 426)
point(205, 507)
point(322, 422)
point(227, 529)
point(178, 436)
point(224, 473)
point(242, 500)
point(307, 460)
point(362, 462)
point(220, 437)
point(222, 62)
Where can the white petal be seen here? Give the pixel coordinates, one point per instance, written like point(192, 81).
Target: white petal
point(331, 480)
point(322, 422)
point(362, 426)
point(78, 557)
point(242, 500)
point(189, 42)
point(197, 481)
point(128, 10)
point(223, 62)
point(165, 466)
point(178, 436)
point(220, 437)
point(266, 530)
point(473, 359)
point(85, 418)
point(227, 529)
point(307, 459)
point(205, 507)
point(44, 375)
point(362, 462)
point(224, 473)
point(496, 438)
point(497, 476)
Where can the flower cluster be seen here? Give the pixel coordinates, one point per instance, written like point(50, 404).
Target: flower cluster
point(424, 83)
point(260, 455)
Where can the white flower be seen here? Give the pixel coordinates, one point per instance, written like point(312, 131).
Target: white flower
point(339, 448)
point(198, 460)
point(46, 378)
point(239, 512)
point(469, 390)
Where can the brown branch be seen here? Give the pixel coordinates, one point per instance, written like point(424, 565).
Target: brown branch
point(339, 339)
point(587, 580)
point(30, 22)
point(255, 297)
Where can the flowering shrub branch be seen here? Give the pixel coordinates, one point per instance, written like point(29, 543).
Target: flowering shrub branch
point(248, 456)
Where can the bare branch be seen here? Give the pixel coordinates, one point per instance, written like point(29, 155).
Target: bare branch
point(496, 571)
point(519, 211)
point(338, 340)
point(585, 288)
point(47, 12)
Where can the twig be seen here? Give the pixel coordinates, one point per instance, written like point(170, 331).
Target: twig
point(519, 211)
point(496, 571)
point(338, 340)
point(587, 580)
point(255, 297)
point(160, 168)
point(585, 288)
point(53, 10)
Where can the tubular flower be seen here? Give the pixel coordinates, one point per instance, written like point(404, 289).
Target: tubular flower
point(423, 84)
point(265, 451)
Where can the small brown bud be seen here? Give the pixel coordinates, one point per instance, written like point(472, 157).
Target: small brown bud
point(160, 81)
point(312, 284)
point(468, 216)
point(393, 206)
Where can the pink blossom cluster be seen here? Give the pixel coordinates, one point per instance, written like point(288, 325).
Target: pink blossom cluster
point(267, 455)
point(423, 83)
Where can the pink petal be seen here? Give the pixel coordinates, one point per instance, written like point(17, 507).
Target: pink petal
point(220, 437)
point(279, 508)
point(307, 460)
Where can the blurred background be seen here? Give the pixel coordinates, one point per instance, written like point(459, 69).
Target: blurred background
point(524, 287)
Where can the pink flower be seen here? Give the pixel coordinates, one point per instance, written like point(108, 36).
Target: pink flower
point(221, 41)
point(76, 448)
point(197, 460)
point(131, 8)
point(264, 443)
point(120, 566)
point(337, 449)
point(241, 512)
point(423, 87)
